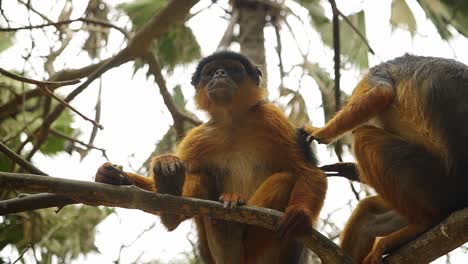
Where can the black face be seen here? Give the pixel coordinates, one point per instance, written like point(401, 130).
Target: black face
point(225, 65)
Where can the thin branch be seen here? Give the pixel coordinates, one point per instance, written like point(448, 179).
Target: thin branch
point(177, 116)
point(95, 194)
point(51, 94)
point(279, 51)
point(22, 253)
point(336, 58)
point(356, 30)
point(33, 202)
point(69, 21)
point(36, 82)
point(89, 146)
point(10, 107)
point(229, 32)
point(17, 159)
point(29, 7)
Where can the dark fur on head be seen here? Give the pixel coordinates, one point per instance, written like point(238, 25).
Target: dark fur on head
point(252, 70)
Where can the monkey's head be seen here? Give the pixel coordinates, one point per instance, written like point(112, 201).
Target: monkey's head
point(225, 80)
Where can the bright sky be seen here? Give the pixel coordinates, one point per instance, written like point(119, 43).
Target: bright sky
point(134, 115)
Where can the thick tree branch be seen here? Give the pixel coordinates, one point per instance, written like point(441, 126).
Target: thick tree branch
point(438, 241)
point(95, 194)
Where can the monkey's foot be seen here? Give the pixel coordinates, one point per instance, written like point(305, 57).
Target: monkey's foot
point(231, 200)
point(295, 221)
point(347, 170)
point(112, 174)
point(311, 134)
point(375, 256)
point(169, 174)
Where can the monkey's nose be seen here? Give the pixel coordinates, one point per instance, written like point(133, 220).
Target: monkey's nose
point(220, 73)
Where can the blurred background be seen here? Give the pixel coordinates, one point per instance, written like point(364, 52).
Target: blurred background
point(142, 116)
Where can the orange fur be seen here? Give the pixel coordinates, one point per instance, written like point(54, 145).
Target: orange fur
point(414, 154)
point(248, 147)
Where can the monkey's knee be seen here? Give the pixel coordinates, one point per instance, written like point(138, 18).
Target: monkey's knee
point(169, 174)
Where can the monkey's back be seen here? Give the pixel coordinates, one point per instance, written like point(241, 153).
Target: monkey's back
point(431, 108)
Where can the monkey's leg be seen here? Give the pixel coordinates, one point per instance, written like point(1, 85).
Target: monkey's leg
point(371, 218)
point(194, 187)
point(393, 241)
point(407, 176)
point(273, 193)
point(361, 108)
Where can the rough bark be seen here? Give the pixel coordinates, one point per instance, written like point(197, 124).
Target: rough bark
point(132, 197)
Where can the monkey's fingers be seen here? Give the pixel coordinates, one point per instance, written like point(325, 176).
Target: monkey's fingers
point(112, 174)
point(347, 170)
point(231, 200)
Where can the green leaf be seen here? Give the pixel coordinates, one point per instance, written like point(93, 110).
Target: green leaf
point(55, 144)
point(178, 97)
point(140, 11)
point(402, 16)
point(6, 40)
point(352, 47)
point(445, 13)
point(177, 46)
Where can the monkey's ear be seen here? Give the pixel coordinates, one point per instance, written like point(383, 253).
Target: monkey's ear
point(259, 72)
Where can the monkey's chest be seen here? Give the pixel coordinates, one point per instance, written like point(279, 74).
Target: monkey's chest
point(241, 171)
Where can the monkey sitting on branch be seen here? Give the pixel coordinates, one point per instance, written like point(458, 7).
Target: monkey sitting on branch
point(247, 153)
point(409, 121)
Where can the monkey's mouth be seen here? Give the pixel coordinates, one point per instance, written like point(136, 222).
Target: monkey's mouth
point(219, 85)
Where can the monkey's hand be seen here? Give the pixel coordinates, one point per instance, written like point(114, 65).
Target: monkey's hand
point(112, 174)
point(347, 170)
point(231, 200)
point(169, 174)
point(311, 134)
point(295, 221)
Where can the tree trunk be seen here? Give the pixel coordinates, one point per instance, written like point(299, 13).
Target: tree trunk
point(251, 37)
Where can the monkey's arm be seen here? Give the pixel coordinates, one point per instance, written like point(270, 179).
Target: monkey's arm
point(364, 104)
point(112, 174)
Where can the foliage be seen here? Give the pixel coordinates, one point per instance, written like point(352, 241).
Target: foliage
point(402, 16)
point(445, 14)
point(6, 40)
point(64, 235)
point(176, 46)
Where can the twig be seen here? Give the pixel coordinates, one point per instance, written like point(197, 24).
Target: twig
point(336, 58)
point(90, 146)
point(51, 94)
point(22, 253)
point(17, 159)
point(43, 86)
point(177, 116)
point(8, 108)
point(279, 51)
point(38, 83)
point(356, 30)
point(135, 198)
point(69, 21)
point(33, 202)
